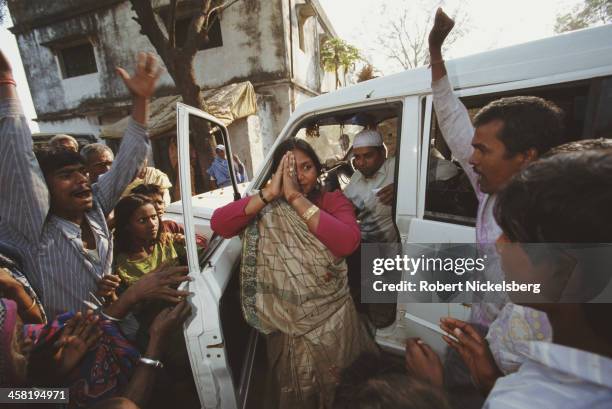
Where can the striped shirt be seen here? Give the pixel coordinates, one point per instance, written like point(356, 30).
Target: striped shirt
point(62, 272)
point(555, 376)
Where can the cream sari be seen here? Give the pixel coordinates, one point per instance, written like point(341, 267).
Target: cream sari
point(296, 292)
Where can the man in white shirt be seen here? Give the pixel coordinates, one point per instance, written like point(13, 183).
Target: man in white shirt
point(371, 188)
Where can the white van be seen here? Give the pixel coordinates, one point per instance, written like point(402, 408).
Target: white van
point(434, 204)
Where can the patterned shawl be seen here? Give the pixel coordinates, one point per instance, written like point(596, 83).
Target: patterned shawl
point(290, 281)
point(104, 370)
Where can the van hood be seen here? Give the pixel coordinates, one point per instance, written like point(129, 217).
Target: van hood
point(205, 204)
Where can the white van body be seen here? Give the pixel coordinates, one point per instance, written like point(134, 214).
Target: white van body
point(583, 57)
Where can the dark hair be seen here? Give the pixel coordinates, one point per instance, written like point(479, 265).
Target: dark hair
point(583, 145)
point(291, 144)
point(374, 382)
point(51, 161)
point(147, 189)
point(562, 199)
point(529, 122)
point(123, 212)
point(566, 198)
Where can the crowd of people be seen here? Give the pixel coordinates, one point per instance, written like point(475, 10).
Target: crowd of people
point(90, 270)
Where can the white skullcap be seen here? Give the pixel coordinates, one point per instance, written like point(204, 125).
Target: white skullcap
point(220, 147)
point(367, 138)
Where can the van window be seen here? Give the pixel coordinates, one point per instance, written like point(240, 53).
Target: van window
point(332, 136)
point(449, 195)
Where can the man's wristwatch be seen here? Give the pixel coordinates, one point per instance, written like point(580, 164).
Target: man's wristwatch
point(151, 362)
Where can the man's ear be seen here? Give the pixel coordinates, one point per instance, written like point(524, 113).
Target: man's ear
point(531, 155)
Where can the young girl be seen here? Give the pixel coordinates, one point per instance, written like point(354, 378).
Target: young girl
point(141, 244)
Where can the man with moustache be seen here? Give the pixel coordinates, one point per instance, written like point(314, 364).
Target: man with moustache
point(504, 137)
point(49, 209)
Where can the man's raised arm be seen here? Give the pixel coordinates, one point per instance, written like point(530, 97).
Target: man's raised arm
point(452, 115)
point(135, 143)
point(24, 198)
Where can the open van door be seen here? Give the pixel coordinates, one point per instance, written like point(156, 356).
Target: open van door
point(221, 357)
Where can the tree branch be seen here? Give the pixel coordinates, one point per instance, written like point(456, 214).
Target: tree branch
point(149, 26)
point(172, 24)
point(220, 8)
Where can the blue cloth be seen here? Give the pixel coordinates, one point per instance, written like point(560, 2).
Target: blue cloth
point(219, 170)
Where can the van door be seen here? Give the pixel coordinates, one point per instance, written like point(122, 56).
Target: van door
point(220, 345)
point(415, 170)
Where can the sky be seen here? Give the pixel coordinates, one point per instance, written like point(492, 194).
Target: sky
point(490, 24)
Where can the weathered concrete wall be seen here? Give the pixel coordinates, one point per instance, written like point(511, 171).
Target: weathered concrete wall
point(306, 60)
point(53, 94)
point(253, 46)
point(253, 49)
point(275, 113)
point(76, 125)
point(245, 136)
point(260, 40)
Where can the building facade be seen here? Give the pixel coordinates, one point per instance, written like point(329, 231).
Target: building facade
point(70, 49)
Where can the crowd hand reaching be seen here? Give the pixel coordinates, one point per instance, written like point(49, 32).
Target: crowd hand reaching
point(386, 195)
point(474, 350)
point(168, 321)
point(443, 25)
point(142, 83)
point(290, 182)
point(158, 285)
point(107, 287)
point(178, 238)
point(80, 334)
point(423, 363)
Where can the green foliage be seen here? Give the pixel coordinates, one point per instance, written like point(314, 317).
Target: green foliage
point(592, 12)
point(337, 54)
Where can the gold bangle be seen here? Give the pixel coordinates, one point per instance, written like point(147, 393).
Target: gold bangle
point(31, 306)
point(309, 213)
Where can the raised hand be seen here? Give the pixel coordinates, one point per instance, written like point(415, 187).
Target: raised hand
point(158, 285)
point(443, 25)
point(290, 181)
point(78, 336)
point(386, 195)
point(168, 321)
point(474, 350)
point(142, 83)
point(422, 362)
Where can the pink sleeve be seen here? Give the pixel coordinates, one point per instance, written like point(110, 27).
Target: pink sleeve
point(338, 228)
point(229, 220)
